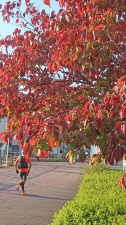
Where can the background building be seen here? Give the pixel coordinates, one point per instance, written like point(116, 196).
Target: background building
point(13, 147)
point(94, 149)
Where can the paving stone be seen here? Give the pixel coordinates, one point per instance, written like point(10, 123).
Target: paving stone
point(49, 186)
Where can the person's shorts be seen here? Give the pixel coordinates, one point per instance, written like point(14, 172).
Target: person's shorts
point(23, 175)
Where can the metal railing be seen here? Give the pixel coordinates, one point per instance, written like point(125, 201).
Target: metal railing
point(10, 162)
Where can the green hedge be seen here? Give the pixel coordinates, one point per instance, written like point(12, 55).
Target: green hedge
point(98, 201)
point(48, 160)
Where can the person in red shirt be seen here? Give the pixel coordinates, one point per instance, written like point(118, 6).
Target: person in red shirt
point(23, 162)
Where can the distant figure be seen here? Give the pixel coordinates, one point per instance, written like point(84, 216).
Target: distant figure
point(22, 164)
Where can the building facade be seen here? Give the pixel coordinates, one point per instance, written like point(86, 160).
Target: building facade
point(13, 147)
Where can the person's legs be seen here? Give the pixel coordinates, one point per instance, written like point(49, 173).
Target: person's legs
point(23, 176)
point(20, 184)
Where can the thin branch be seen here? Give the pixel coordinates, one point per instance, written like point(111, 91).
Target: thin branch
point(84, 78)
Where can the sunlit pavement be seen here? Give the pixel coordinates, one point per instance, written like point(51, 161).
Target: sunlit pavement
point(49, 186)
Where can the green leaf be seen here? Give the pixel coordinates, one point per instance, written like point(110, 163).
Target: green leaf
point(95, 44)
point(111, 47)
point(47, 108)
point(80, 55)
point(72, 144)
point(70, 159)
point(107, 59)
point(68, 50)
point(86, 140)
point(75, 58)
point(101, 141)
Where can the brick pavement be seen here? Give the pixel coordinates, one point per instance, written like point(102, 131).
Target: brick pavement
point(49, 186)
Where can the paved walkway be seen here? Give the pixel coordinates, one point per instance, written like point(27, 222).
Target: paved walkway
point(49, 186)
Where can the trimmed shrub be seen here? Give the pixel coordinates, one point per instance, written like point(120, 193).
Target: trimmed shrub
point(96, 167)
point(99, 201)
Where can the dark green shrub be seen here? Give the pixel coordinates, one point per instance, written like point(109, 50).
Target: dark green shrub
point(99, 201)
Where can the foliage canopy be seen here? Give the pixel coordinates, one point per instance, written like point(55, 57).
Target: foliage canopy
point(65, 80)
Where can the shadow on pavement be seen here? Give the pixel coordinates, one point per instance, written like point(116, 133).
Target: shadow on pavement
point(38, 196)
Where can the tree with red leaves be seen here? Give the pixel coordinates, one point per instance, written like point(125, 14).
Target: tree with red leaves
point(66, 78)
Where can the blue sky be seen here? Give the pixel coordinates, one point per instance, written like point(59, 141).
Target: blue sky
point(8, 28)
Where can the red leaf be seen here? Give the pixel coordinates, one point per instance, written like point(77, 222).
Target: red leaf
point(61, 3)
point(41, 153)
point(56, 134)
point(22, 73)
point(51, 141)
point(26, 1)
point(59, 13)
point(63, 126)
point(1, 134)
point(122, 182)
point(8, 21)
point(37, 157)
point(116, 100)
point(17, 20)
point(99, 122)
point(34, 46)
point(26, 89)
point(28, 155)
point(22, 59)
point(47, 2)
point(0, 6)
point(52, 66)
point(111, 159)
point(121, 80)
point(87, 106)
point(33, 139)
point(26, 147)
point(79, 8)
point(30, 132)
point(107, 12)
point(58, 66)
point(124, 112)
point(82, 156)
point(118, 153)
point(118, 128)
point(100, 26)
point(89, 8)
point(20, 135)
point(46, 153)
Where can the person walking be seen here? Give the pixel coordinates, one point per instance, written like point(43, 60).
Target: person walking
point(21, 166)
